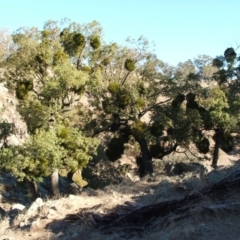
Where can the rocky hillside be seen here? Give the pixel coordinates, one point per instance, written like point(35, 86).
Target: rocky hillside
point(185, 198)
point(98, 214)
point(9, 114)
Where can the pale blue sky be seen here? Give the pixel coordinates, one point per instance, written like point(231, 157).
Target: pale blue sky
point(181, 29)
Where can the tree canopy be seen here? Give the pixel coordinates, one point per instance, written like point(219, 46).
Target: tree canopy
point(132, 95)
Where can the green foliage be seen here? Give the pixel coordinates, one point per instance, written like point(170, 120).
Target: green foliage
point(113, 87)
point(72, 42)
point(191, 101)
point(86, 69)
point(230, 55)
point(5, 129)
point(129, 65)
point(178, 100)
point(115, 148)
point(69, 76)
point(6, 159)
point(140, 103)
point(139, 129)
point(47, 68)
point(21, 91)
point(80, 149)
point(79, 90)
point(195, 119)
point(106, 61)
point(59, 57)
point(156, 150)
point(203, 145)
point(123, 98)
point(47, 150)
point(108, 106)
point(5, 44)
point(182, 124)
point(23, 88)
point(66, 78)
point(79, 39)
point(217, 104)
point(221, 76)
point(46, 34)
point(95, 42)
point(35, 115)
point(218, 62)
point(141, 89)
point(156, 129)
point(37, 157)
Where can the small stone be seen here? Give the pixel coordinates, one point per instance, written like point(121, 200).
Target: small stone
point(54, 208)
point(18, 206)
point(34, 208)
point(52, 214)
point(39, 201)
point(72, 196)
point(151, 191)
point(22, 224)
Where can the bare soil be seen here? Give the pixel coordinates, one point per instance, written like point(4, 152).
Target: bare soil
point(71, 216)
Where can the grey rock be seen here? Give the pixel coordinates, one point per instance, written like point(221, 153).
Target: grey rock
point(35, 207)
point(74, 189)
point(17, 206)
point(181, 168)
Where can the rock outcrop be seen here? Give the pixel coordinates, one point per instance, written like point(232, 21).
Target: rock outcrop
point(9, 114)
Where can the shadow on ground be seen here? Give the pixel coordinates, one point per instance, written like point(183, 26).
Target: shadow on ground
point(162, 196)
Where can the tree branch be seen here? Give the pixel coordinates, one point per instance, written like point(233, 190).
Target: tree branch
point(152, 107)
point(125, 78)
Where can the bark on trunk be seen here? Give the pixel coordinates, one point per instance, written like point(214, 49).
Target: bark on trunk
point(55, 183)
point(146, 156)
point(216, 148)
point(33, 189)
point(70, 176)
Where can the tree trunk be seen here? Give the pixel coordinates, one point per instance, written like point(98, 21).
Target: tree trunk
point(216, 148)
point(146, 156)
point(33, 189)
point(55, 183)
point(70, 176)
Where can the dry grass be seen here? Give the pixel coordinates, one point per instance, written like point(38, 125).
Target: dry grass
point(71, 217)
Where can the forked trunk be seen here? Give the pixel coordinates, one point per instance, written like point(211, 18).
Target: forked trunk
point(55, 183)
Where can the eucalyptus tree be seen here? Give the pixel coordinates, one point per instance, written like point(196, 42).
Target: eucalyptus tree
point(215, 107)
point(184, 69)
point(224, 99)
point(205, 67)
point(124, 88)
point(5, 44)
point(42, 73)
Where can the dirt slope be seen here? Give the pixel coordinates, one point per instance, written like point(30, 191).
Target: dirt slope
point(71, 217)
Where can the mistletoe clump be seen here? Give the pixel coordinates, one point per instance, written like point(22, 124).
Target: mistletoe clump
point(115, 148)
point(95, 42)
point(129, 65)
point(23, 88)
point(114, 87)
